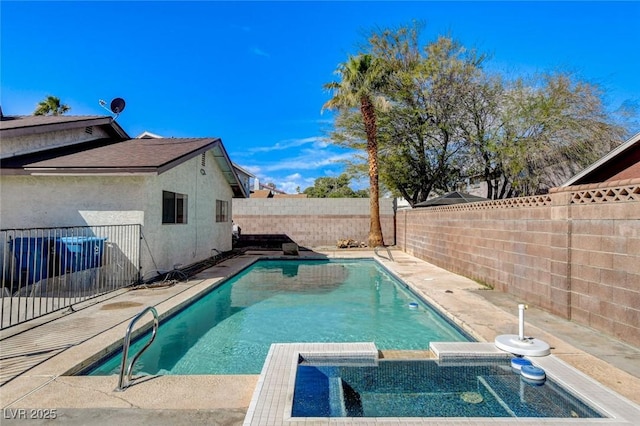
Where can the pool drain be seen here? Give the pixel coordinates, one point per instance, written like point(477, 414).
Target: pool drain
point(471, 397)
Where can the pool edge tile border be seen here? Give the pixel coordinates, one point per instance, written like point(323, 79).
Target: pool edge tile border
point(272, 399)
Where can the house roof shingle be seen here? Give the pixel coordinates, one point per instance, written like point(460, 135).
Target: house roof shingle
point(17, 125)
point(152, 155)
point(118, 154)
point(103, 156)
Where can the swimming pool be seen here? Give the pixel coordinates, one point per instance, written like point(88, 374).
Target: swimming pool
point(230, 329)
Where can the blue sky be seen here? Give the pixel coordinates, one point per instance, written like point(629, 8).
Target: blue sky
point(251, 73)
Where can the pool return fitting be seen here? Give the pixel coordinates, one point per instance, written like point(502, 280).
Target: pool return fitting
point(519, 344)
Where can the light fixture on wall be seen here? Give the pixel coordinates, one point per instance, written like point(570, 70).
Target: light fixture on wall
point(203, 172)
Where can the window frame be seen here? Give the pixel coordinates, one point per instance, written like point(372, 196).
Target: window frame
point(174, 208)
point(222, 211)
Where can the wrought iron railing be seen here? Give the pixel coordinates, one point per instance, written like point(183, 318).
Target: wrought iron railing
point(48, 269)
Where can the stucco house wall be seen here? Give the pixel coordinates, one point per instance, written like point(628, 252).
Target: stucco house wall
point(195, 240)
point(61, 201)
point(37, 141)
point(58, 201)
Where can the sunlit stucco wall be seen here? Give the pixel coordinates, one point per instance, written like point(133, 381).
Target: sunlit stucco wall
point(62, 201)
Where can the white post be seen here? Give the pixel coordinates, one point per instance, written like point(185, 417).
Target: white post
point(521, 308)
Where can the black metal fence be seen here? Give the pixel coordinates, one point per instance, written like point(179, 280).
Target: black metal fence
point(47, 269)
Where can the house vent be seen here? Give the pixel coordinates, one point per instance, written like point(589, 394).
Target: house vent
point(202, 161)
point(88, 130)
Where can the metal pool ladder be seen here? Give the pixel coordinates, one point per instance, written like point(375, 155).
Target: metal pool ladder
point(125, 373)
point(375, 250)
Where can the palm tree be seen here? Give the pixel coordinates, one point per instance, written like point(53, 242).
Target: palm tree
point(360, 80)
point(51, 106)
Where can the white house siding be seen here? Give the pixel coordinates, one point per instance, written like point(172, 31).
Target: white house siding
point(18, 145)
point(188, 243)
point(60, 201)
point(65, 201)
point(56, 201)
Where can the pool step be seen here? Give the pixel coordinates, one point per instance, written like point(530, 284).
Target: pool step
point(336, 398)
point(451, 350)
point(428, 404)
point(521, 399)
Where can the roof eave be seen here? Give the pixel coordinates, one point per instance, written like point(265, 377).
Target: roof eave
point(229, 171)
point(51, 127)
point(604, 160)
point(85, 171)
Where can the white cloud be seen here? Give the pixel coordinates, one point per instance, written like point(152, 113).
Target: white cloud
point(296, 163)
point(253, 169)
point(307, 162)
point(292, 143)
point(259, 52)
point(290, 187)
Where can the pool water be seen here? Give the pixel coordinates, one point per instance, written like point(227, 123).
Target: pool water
point(423, 388)
point(230, 329)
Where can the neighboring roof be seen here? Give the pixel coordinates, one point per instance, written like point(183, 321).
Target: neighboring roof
point(621, 163)
point(290, 196)
point(141, 156)
point(270, 188)
point(18, 125)
point(451, 198)
point(242, 170)
point(148, 135)
point(262, 193)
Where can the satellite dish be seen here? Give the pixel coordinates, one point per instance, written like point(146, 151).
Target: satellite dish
point(117, 105)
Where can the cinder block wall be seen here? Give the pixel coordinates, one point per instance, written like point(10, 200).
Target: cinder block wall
point(574, 252)
point(313, 222)
point(605, 267)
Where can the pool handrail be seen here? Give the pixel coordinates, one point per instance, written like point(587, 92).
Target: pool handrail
point(375, 250)
point(122, 383)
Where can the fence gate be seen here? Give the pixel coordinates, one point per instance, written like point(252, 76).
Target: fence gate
point(47, 269)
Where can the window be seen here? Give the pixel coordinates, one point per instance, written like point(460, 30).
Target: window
point(174, 207)
point(222, 211)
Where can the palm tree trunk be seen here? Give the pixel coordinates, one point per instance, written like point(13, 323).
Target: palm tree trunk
point(369, 117)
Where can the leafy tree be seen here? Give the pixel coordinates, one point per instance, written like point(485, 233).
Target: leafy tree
point(418, 133)
point(534, 136)
point(51, 106)
point(421, 132)
point(359, 85)
point(482, 131)
point(330, 187)
point(446, 120)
